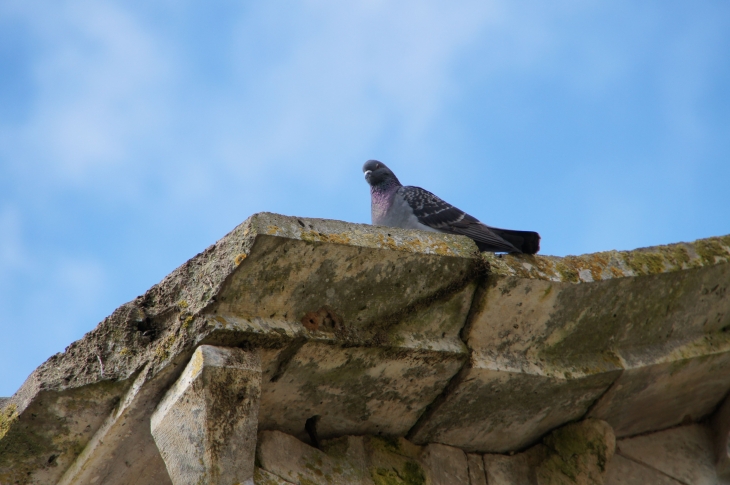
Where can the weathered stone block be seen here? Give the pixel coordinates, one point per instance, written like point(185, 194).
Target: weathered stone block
point(665, 394)
point(125, 433)
point(622, 471)
point(721, 426)
point(513, 392)
point(499, 411)
point(205, 426)
point(288, 458)
point(577, 454)
point(355, 390)
point(544, 351)
point(262, 477)
point(365, 460)
point(510, 470)
point(477, 475)
point(684, 453)
point(352, 281)
point(395, 461)
point(446, 465)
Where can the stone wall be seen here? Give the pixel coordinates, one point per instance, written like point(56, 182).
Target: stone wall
point(580, 453)
point(321, 332)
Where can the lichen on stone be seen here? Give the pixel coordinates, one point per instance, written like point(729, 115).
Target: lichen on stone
point(578, 454)
point(7, 417)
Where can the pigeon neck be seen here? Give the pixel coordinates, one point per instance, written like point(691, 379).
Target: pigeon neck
point(385, 188)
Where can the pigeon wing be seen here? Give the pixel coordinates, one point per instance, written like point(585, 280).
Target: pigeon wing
point(438, 214)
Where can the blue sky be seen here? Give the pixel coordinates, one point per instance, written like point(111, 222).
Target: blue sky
point(135, 134)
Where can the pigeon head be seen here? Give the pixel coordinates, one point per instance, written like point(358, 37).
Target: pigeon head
point(377, 174)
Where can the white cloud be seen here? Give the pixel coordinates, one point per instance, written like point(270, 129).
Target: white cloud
point(99, 78)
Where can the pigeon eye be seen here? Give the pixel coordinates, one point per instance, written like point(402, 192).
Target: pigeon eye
point(377, 165)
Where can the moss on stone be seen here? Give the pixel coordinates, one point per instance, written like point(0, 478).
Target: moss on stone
point(577, 453)
point(713, 250)
point(410, 473)
point(7, 417)
point(612, 264)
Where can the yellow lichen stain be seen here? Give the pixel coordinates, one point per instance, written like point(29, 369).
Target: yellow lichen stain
point(677, 256)
point(712, 250)
point(314, 236)
point(186, 323)
point(162, 351)
point(544, 267)
point(125, 351)
point(594, 263)
point(616, 272)
point(613, 264)
point(7, 417)
point(196, 362)
point(567, 273)
point(239, 259)
point(182, 304)
point(271, 230)
point(644, 262)
point(414, 245)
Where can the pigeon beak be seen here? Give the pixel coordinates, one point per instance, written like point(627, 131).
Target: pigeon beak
point(367, 174)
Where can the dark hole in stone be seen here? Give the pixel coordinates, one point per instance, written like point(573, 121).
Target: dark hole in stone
point(52, 459)
point(324, 319)
point(310, 426)
point(300, 223)
point(147, 328)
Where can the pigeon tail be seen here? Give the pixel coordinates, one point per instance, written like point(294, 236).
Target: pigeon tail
point(527, 242)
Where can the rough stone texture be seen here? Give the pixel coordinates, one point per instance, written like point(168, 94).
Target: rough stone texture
point(355, 390)
point(363, 460)
point(395, 461)
point(577, 454)
point(520, 468)
point(262, 477)
point(205, 426)
point(720, 424)
point(477, 475)
point(446, 465)
point(288, 458)
point(413, 330)
point(684, 453)
point(622, 471)
point(613, 264)
point(42, 432)
point(159, 330)
point(544, 351)
point(125, 433)
point(666, 394)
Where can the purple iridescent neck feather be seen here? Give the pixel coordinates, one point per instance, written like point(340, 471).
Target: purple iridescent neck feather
point(381, 198)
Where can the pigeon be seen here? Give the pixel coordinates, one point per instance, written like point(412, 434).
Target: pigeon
point(395, 205)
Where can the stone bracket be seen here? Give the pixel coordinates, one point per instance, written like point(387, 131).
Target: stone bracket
point(205, 426)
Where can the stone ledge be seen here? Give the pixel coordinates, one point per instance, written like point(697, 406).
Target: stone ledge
point(376, 329)
point(613, 264)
